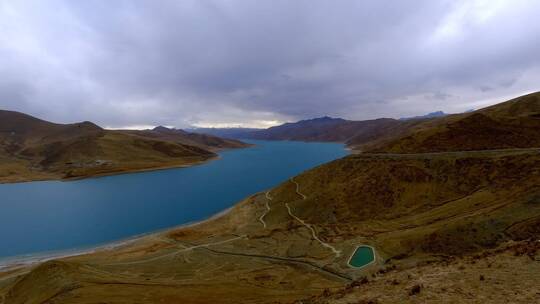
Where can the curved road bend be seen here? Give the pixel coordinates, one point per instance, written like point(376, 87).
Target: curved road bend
point(178, 251)
point(276, 258)
point(268, 198)
point(309, 226)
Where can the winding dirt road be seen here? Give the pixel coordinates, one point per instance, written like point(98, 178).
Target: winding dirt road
point(179, 251)
point(309, 226)
point(268, 198)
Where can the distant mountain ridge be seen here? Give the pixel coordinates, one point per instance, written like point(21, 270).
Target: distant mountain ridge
point(500, 125)
point(328, 129)
point(429, 115)
point(321, 129)
point(237, 133)
point(204, 141)
point(316, 129)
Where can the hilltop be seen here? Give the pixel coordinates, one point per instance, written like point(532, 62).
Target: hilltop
point(511, 124)
point(446, 226)
point(34, 149)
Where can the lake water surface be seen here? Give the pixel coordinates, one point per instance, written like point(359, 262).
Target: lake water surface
point(54, 215)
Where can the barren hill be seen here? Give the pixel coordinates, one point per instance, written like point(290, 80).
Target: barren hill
point(511, 124)
point(326, 129)
point(32, 149)
point(205, 141)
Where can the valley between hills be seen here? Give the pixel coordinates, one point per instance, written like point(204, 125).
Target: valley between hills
point(451, 206)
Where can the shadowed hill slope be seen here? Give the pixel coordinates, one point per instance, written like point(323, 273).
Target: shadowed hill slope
point(327, 129)
point(234, 132)
point(317, 129)
point(34, 149)
point(204, 141)
point(511, 124)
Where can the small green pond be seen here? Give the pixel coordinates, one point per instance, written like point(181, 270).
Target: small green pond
point(362, 256)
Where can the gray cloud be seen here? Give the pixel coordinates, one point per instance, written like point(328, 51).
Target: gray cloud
point(132, 63)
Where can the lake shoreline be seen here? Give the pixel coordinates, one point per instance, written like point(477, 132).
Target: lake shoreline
point(132, 206)
point(120, 172)
point(112, 173)
point(8, 264)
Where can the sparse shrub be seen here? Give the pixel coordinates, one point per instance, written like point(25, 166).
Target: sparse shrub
point(415, 290)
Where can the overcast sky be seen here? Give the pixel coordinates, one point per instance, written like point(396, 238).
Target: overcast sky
point(258, 63)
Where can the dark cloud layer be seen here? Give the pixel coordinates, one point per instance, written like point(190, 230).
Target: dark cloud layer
point(134, 63)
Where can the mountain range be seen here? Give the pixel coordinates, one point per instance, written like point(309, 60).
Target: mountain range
point(238, 133)
point(323, 129)
point(511, 124)
point(429, 115)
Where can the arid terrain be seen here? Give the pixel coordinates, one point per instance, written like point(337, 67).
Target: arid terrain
point(511, 124)
point(448, 225)
point(33, 149)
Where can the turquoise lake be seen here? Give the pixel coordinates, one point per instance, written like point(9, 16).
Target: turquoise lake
point(54, 215)
point(363, 255)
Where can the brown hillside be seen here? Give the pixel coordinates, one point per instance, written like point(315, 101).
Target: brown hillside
point(511, 124)
point(428, 216)
point(33, 149)
point(204, 141)
point(329, 129)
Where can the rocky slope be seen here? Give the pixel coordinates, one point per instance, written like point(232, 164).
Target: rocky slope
point(33, 149)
